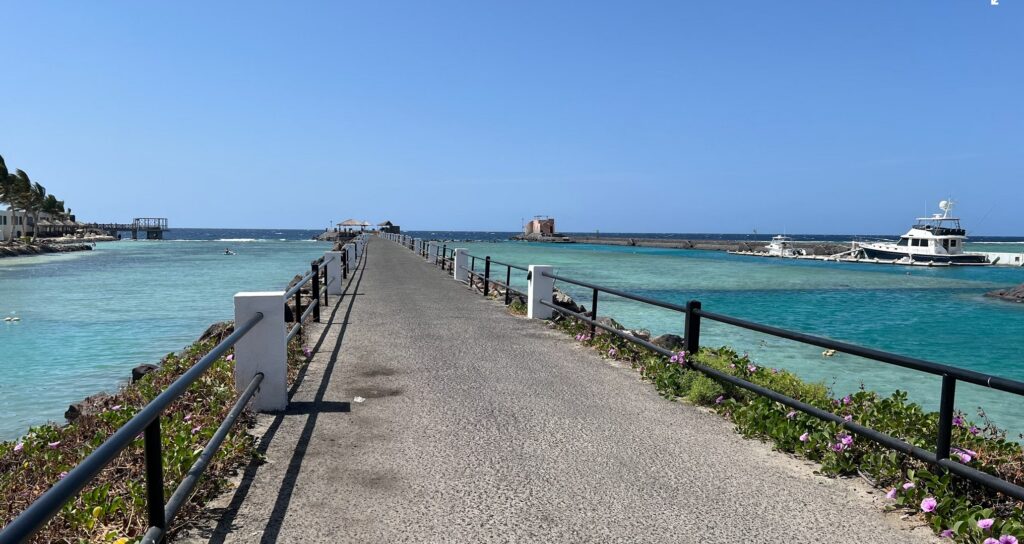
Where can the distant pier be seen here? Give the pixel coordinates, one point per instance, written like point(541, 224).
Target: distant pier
point(153, 228)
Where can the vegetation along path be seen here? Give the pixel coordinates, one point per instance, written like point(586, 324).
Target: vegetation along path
point(479, 426)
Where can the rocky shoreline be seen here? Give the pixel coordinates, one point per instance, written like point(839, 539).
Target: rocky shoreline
point(1011, 294)
point(812, 248)
point(19, 249)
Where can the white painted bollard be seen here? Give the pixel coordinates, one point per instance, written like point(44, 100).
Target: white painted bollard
point(350, 249)
point(263, 349)
point(432, 251)
point(461, 264)
point(540, 288)
point(334, 271)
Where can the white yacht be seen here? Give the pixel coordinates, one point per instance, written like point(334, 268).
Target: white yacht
point(782, 246)
point(938, 239)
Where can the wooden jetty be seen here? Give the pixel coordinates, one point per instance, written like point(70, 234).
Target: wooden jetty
point(153, 227)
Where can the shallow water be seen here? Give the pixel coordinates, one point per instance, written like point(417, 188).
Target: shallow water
point(89, 317)
point(935, 314)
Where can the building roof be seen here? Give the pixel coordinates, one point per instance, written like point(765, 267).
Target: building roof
point(351, 223)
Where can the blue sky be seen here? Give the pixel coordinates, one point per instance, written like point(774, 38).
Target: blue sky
point(711, 116)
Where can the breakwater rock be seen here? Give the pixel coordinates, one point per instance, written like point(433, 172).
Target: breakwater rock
point(1013, 294)
point(811, 248)
point(16, 250)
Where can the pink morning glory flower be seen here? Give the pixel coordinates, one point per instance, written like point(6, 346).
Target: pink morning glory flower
point(187, 417)
point(974, 430)
point(846, 440)
point(958, 421)
point(230, 357)
point(673, 359)
point(847, 417)
point(1007, 539)
point(751, 368)
point(791, 414)
point(805, 437)
point(908, 485)
point(847, 400)
point(196, 429)
point(891, 494)
point(19, 446)
point(719, 399)
point(115, 407)
point(986, 523)
point(307, 352)
point(990, 540)
point(929, 504)
point(62, 475)
point(53, 445)
point(612, 352)
point(948, 533)
point(775, 371)
point(838, 447)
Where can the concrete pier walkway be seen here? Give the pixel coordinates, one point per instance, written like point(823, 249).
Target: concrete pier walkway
point(478, 426)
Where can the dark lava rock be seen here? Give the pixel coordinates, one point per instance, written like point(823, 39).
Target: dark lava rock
point(1013, 294)
point(141, 370)
point(218, 331)
point(670, 342)
point(565, 301)
point(609, 322)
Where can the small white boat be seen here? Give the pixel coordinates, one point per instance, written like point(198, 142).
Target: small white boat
point(782, 246)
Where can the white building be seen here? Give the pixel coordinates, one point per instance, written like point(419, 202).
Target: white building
point(13, 224)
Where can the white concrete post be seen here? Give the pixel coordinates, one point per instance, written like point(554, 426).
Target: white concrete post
point(263, 349)
point(351, 249)
point(461, 264)
point(333, 272)
point(432, 251)
point(541, 288)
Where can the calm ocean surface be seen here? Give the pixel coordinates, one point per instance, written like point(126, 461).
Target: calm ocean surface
point(88, 318)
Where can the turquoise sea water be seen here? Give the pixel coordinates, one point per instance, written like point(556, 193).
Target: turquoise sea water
point(89, 317)
point(935, 314)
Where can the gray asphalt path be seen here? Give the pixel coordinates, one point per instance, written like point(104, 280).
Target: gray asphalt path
point(479, 426)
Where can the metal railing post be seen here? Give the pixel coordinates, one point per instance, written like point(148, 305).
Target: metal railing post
point(593, 314)
point(692, 339)
point(487, 275)
point(154, 475)
point(444, 256)
point(945, 417)
point(315, 287)
point(508, 285)
point(298, 309)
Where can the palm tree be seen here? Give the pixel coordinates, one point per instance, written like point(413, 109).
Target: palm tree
point(5, 183)
point(34, 202)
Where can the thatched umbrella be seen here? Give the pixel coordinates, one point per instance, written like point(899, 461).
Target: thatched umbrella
point(350, 223)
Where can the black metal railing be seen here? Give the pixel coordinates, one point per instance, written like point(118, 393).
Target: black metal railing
point(488, 277)
point(693, 313)
point(147, 422)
